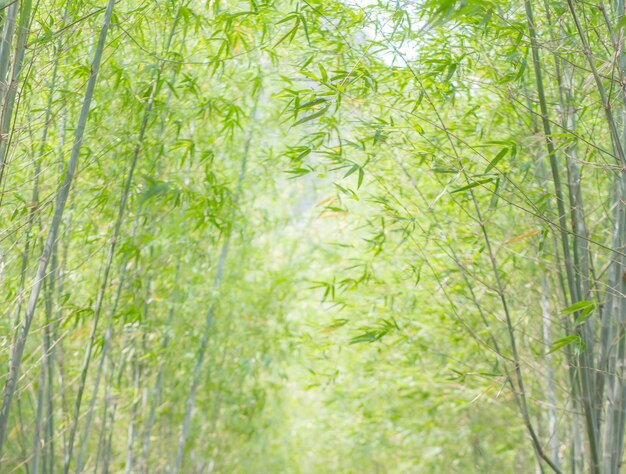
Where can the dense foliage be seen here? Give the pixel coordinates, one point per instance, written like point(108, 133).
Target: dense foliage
point(312, 236)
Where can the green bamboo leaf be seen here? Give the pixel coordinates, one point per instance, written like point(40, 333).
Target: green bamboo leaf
point(323, 72)
point(583, 317)
point(311, 103)
point(471, 185)
point(353, 169)
point(308, 118)
point(451, 70)
point(290, 34)
point(156, 189)
point(291, 16)
point(297, 172)
point(584, 305)
point(368, 336)
point(492, 164)
point(560, 343)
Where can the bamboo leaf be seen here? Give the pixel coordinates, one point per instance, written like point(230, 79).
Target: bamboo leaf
point(311, 103)
point(323, 72)
point(353, 169)
point(584, 305)
point(492, 164)
point(560, 343)
point(298, 172)
point(313, 116)
point(156, 189)
point(471, 185)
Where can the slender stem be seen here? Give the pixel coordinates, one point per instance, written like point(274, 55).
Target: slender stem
point(217, 282)
point(18, 349)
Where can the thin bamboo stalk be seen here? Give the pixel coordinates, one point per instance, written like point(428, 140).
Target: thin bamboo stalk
point(585, 363)
point(10, 91)
point(18, 350)
point(111, 251)
point(217, 283)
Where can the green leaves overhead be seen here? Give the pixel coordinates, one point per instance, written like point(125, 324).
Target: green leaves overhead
point(341, 231)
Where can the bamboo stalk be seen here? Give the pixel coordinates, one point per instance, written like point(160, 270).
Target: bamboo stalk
point(9, 92)
point(537, 446)
point(38, 421)
point(109, 261)
point(156, 392)
point(217, 283)
point(105, 351)
point(132, 427)
point(63, 191)
point(585, 363)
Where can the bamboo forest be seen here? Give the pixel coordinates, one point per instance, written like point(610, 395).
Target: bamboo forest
point(312, 236)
